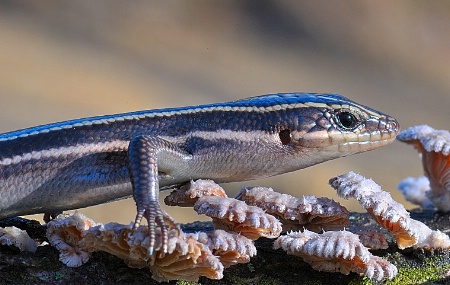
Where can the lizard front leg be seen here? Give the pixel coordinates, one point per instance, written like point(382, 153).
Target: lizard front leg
point(146, 153)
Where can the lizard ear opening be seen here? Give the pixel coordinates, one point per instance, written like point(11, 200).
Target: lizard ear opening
point(285, 136)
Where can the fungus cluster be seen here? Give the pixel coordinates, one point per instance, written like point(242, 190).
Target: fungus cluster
point(310, 212)
point(337, 251)
point(13, 236)
point(317, 228)
point(388, 213)
point(434, 148)
point(188, 257)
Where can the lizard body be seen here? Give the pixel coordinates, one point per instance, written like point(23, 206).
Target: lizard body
point(84, 162)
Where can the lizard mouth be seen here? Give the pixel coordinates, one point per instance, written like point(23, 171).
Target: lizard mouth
point(355, 147)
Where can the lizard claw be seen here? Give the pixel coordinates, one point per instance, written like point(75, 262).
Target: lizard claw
point(155, 216)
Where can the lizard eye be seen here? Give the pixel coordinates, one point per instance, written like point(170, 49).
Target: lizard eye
point(285, 136)
point(346, 120)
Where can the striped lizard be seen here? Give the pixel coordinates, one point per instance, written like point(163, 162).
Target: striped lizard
point(84, 162)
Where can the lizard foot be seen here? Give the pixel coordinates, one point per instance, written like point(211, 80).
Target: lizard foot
point(156, 216)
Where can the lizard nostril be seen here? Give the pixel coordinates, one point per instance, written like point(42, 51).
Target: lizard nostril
point(394, 125)
point(285, 136)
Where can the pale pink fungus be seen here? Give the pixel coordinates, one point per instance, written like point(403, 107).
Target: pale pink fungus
point(188, 194)
point(316, 214)
point(234, 215)
point(339, 251)
point(12, 236)
point(388, 213)
point(434, 146)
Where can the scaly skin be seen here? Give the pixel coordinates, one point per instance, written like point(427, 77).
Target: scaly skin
point(84, 162)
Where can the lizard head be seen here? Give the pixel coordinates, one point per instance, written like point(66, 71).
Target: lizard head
point(333, 125)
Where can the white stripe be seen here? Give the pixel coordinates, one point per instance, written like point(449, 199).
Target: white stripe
point(65, 151)
point(79, 150)
point(247, 136)
point(192, 110)
point(242, 136)
point(162, 114)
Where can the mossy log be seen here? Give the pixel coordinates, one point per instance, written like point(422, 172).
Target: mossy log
point(268, 267)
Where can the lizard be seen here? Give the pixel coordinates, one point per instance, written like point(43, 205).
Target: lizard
point(84, 162)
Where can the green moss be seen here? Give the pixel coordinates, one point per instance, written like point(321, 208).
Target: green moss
point(363, 281)
point(238, 280)
point(431, 271)
point(250, 267)
point(59, 276)
point(182, 282)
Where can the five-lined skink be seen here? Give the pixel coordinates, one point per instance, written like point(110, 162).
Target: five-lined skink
point(84, 162)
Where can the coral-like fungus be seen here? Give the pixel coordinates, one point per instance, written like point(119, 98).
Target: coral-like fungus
point(190, 260)
point(231, 248)
point(434, 146)
point(18, 238)
point(234, 215)
point(188, 256)
point(415, 191)
point(188, 194)
point(114, 238)
point(388, 213)
point(315, 214)
point(64, 233)
point(336, 252)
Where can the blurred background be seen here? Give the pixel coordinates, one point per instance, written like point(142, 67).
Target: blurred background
point(61, 60)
